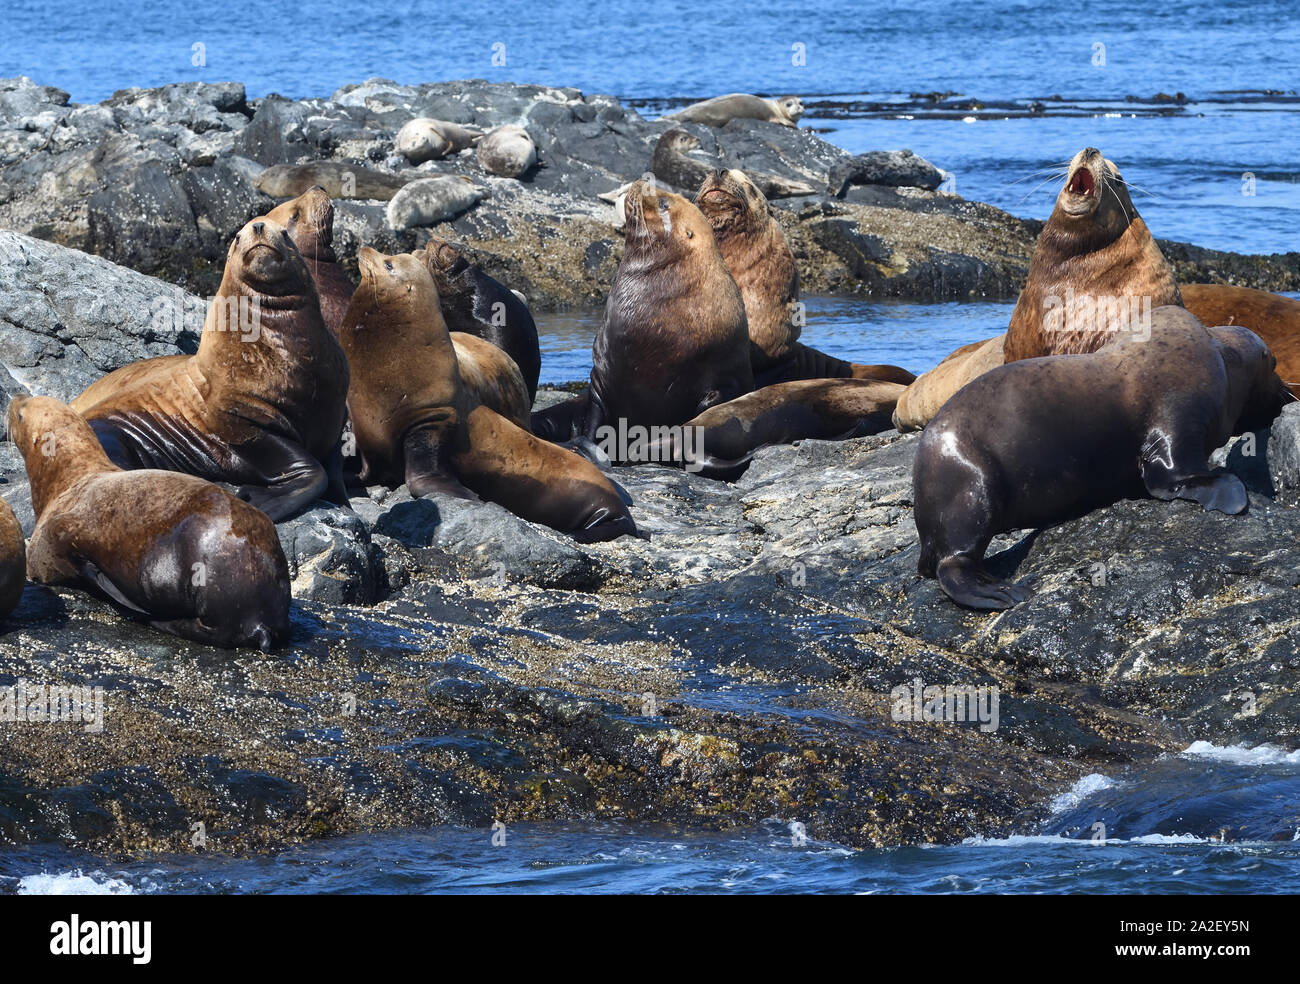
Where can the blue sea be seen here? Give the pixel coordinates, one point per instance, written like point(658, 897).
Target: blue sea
point(1216, 164)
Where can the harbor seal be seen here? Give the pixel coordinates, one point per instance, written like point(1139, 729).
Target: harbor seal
point(508, 152)
point(1040, 441)
point(474, 303)
point(424, 139)
point(721, 110)
point(260, 405)
point(338, 180)
point(13, 560)
point(1274, 318)
point(429, 201)
point(760, 261)
point(173, 550)
point(674, 340)
point(415, 423)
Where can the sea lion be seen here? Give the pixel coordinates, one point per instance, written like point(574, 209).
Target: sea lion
point(507, 151)
point(759, 259)
point(423, 139)
point(724, 438)
point(1039, 441)
point(309, 221)
point(1274, 318)
point(922, 400)
point(1096, 271)
point(1095, 276)
point(415, 423)
point(674, 164)
point(474, 303)
point(338, 180)
point(174, 550)
point(492, 377)
point(260, 405)
point(13, 560)
point(674, 340)
point(721, 110)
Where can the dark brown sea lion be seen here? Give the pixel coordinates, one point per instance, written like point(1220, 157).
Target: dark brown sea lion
point(309, 221)
point(1096, 272)
point(13, 560)
point(674, 340)
point(416, 423)
point(1040, 441)
point(723, 439)
point(474, 303)
point(1274, 318)
point(174, 550)
point(759, 258)
point(262, 402)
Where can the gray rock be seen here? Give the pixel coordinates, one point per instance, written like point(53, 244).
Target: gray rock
point(895, 168)
point(330, 556)
point(1284, 450)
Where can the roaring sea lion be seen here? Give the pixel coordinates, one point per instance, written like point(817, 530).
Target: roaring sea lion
point(726, 437)
point(507, 151)
point(1095, 276)
point(309, 221)
point(721, 110)
point(1274, 318)
point(13, 560)
point(673, 162)
point(423, 139)
point(759, 259)
point(474, 303)
point(674, 339)
point(1039, 441)
point(415, 423)
point(174, 550)
point(338, 180)
point(260, 405)
point(1096, 272)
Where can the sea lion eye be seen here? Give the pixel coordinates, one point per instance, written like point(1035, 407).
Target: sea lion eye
point(690, 234)
point(388, 265)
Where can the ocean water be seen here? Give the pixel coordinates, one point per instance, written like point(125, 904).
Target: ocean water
point(1219, 168)
point(1209, 821)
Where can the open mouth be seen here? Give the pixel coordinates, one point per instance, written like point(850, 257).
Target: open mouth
point(1081, 182)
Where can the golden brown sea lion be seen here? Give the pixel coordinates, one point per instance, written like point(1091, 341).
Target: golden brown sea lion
point(922, 400)
point(492, 378)
point(1274, 318)
point(760, 261)
point(416, 423)
point(174, 550)
point(13, 560)
point(262, 402)
point(309, 221)
point(1039, 441)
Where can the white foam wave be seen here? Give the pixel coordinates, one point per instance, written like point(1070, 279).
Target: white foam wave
point(74, 882)
point(1094, 782)
point(1242, 754)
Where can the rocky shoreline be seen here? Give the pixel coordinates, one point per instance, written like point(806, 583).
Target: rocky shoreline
point(451, 663)
point(159, 179)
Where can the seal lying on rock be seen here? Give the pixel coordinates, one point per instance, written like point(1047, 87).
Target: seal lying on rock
point(674, 339)
point(721, 110)
point(432, 200)
point(177, 551)
point(338, 181)
point(423, 139)
point(1040, 441)
point(13, 559)
point(416, 423)
point(1096, 275)
point(260, 405)
point(759, 259)
point(919, 403)
point(508, 151)
point(474, 303)
point(1274, 318)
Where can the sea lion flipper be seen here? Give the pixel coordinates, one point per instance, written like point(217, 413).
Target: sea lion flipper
point(428, 465)
point(91, 573)
point(967, 583)
point(1222, 493)
point(1171, 472)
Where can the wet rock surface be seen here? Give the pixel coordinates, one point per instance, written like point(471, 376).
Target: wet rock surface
point(160, 179)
